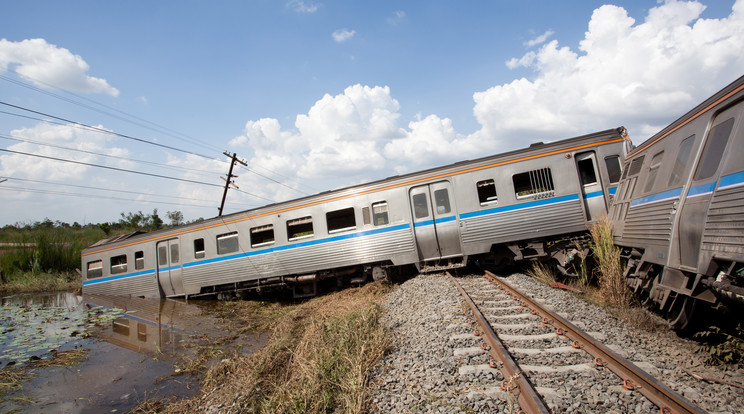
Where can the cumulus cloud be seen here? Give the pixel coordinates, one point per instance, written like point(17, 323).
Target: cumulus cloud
point(623, 73)
point(45, 64)
point(539, 39)
point(343, 35)
point(303, 7)
point(69, 136)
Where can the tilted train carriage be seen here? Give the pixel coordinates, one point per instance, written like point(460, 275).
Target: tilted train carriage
point(518, 205)
point(679, 210)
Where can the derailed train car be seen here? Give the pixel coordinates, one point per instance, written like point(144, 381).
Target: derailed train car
point(531, 203)
point(679, 210)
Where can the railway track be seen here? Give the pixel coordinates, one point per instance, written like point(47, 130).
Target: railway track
point(544, 362)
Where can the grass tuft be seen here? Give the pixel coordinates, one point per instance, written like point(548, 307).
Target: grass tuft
point(613, 288)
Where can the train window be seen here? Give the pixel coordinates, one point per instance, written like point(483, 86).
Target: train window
point(139, 260)
point(263, 235)
point(199, 252)
point(441, 198)
point(586, 170)
point(653, 171)
point(420, 206)
point(118, 264)
point(613, 168)
point(713, 151)
point(380, 213)
point(121, 326)
point(341, 220)
point(486, 192)
point(174, 253)
point(141, 332)
point(162, 255)
point(95, 269)
point(366, 216)
point(635, 166)
point(300, 228)
point(533, 183)
point(683, 157)
point(227, 243)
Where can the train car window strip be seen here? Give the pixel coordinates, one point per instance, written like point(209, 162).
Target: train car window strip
point(533, 184)
point(119, 264)
point(174, 253)
point(713, 151)
point(442, 201)
point(227, 243)
point(653, 171)
point(487, 192)
point(340, 220)
point(94, 269)
point(420, 206)
point(262, 235)
point(635, 166)
point(586, 169)
point(199, 252)
point(301, 228)
point(139, 260)
point(380, 213)
point(613, 168)
point(683, 158)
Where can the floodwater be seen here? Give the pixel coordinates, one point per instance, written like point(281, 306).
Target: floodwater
point(136, 349)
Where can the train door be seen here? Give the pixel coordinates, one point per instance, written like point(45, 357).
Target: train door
point(592, 192)
point(435, 221)
point(692, 216)
point(169, 268)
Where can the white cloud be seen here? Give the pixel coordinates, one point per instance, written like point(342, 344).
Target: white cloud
point(397, 18)
point(45, 64)
point(623, 74)
point(303, 7)
point(69, 136)
point(539, 39)
point(343, 35)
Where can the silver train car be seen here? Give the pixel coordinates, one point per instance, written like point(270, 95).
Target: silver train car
point(513, 206)
point(678, 213)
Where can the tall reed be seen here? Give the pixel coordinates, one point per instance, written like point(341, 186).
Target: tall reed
point(613, 288)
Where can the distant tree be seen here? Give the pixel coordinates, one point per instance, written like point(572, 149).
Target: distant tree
point(175, 217)
point(154, 221)
point(106, 227)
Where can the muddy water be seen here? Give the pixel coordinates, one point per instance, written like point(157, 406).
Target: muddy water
point(136, 350)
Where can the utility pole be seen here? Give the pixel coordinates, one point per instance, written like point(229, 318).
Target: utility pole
point(229, 182)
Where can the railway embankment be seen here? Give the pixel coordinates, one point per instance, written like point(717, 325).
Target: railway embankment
point(436, 364)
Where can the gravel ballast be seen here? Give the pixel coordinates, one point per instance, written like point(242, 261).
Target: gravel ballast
point(436, 365)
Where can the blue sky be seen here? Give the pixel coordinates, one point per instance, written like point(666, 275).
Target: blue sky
point(317, 95)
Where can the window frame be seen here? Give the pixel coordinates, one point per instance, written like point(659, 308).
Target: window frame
point(299, 235)
point(261, 230)
point(537, 179)
point(220, 242)
point(139, 260)
point(120, 266)
point(385, 215)
point(98, 270)
point(342, 218)
point(200, 253)
point(484, 197)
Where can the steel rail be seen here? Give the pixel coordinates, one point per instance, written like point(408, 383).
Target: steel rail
point(634, 378)
point(528, 399)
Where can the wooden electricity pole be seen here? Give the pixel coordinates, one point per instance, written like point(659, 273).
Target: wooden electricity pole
point(229, 182)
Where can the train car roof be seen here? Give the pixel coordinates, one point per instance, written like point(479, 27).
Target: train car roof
point(732, 89)
point(535, 150)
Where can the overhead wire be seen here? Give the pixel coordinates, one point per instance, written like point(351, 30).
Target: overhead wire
point(111, 190)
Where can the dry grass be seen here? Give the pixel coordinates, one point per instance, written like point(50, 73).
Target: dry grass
point(613, 288)
point(541, 273)
point(317, 360)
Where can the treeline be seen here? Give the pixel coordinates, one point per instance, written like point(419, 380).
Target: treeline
point(54, 247)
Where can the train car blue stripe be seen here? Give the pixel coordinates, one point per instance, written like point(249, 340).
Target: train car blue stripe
point(513, 207)
point(701, 189)
point(119, 277)
point(445, 219)
point(423, 223)
point(291, 246)
point(612, 190)
point(592, 195)
point(653, 198)
point(731, 180)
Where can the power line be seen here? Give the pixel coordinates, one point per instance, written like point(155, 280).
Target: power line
point(3, 136)
point(105, 131)
point(95, 196)
point(111, 189)
point(128, 117)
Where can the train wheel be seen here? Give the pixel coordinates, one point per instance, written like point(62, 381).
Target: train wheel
point(680, 313)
